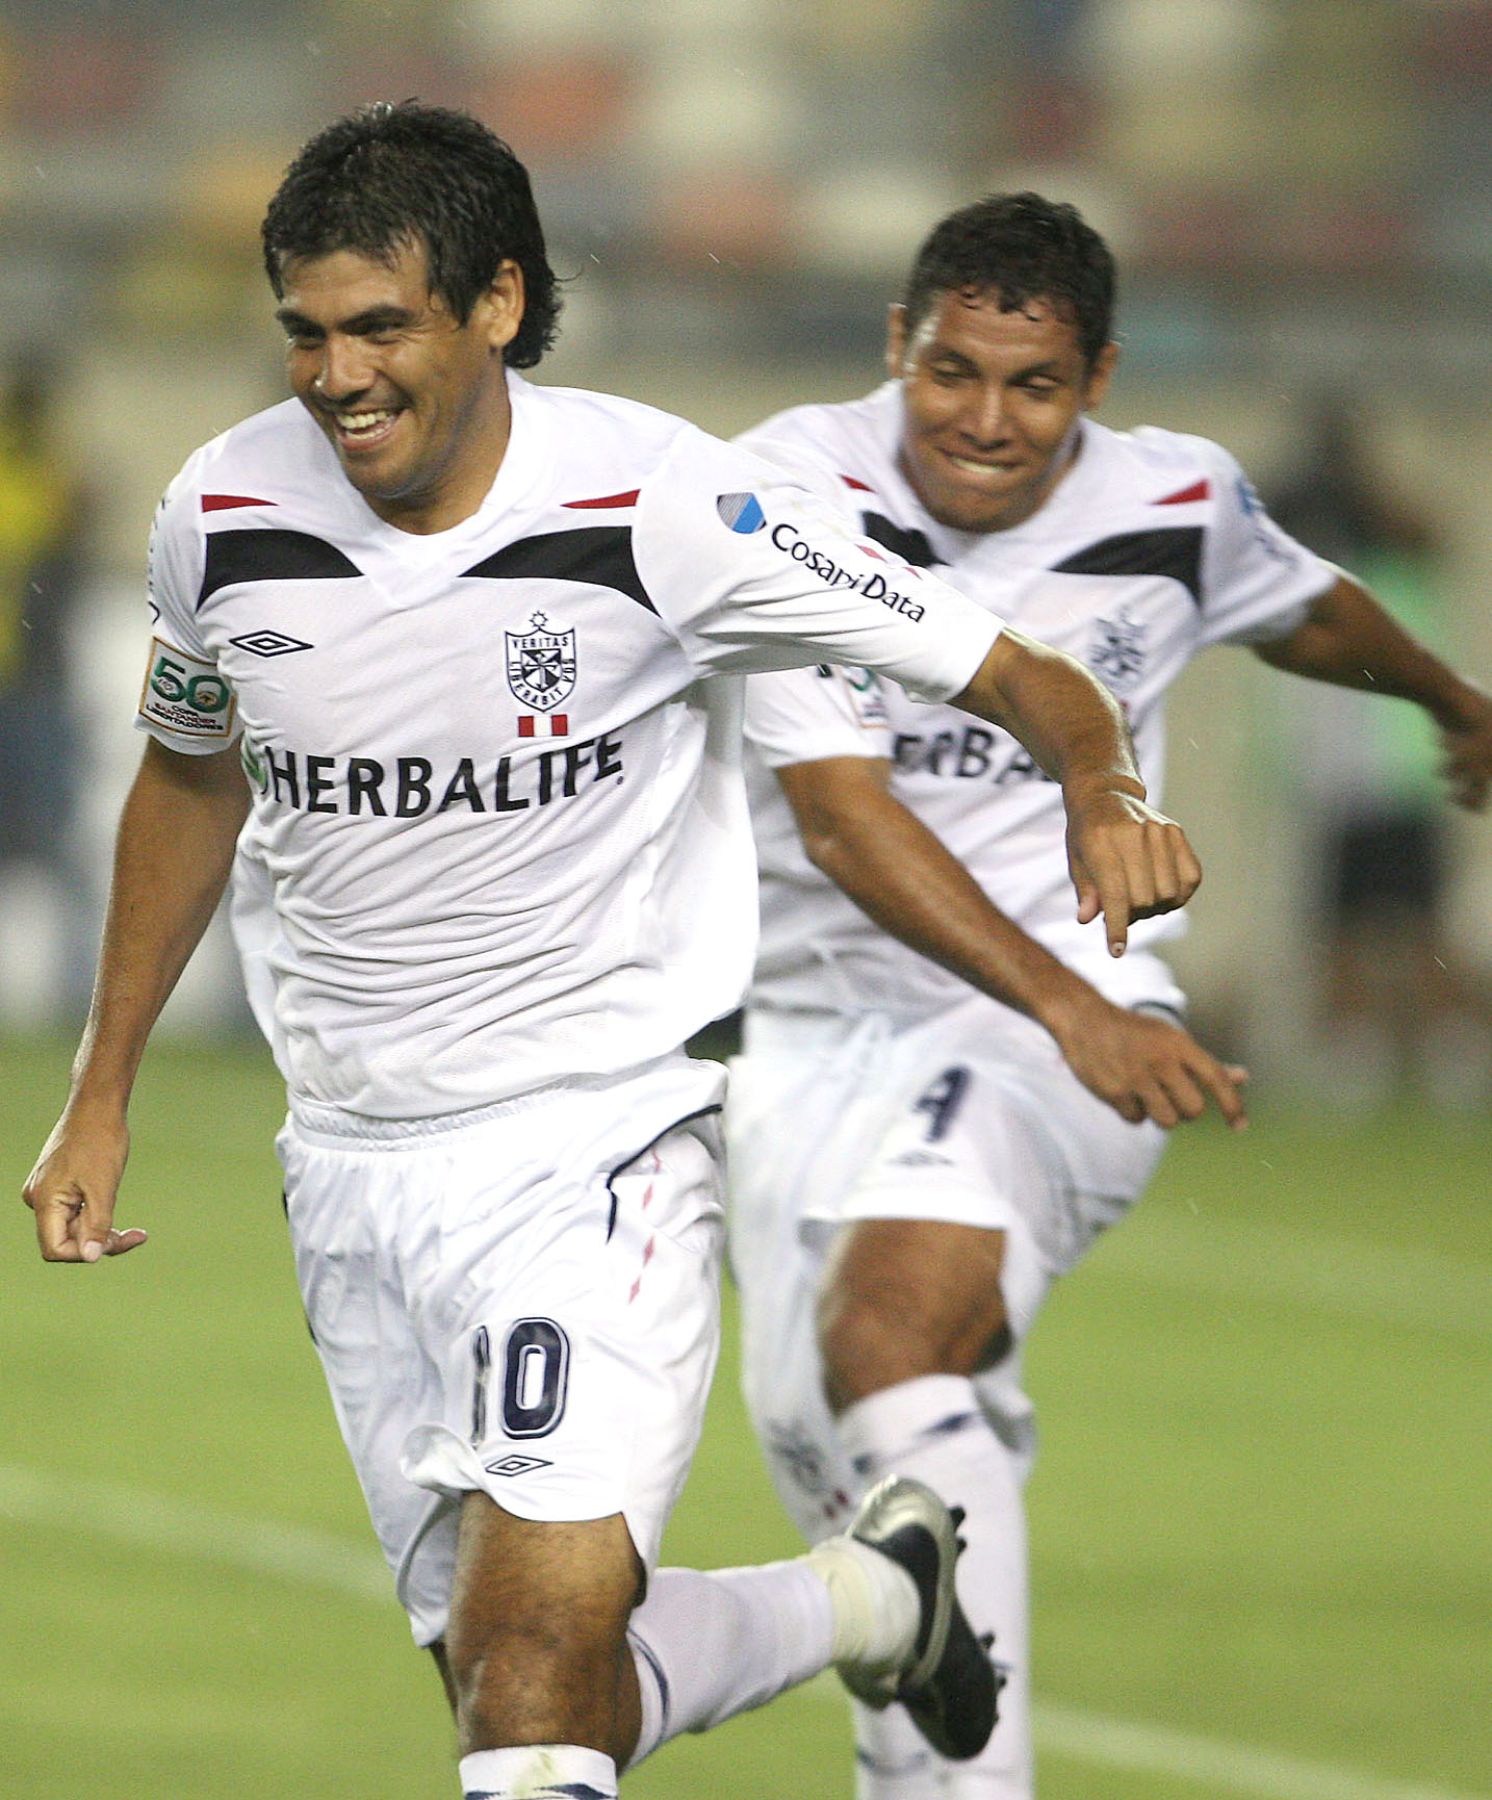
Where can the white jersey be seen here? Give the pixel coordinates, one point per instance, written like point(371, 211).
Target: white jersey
point(497, 805)
point(1151, 547)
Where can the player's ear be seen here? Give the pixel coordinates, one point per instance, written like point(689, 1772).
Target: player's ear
point(1099, 376)
point(896, 338)
point(503, 304)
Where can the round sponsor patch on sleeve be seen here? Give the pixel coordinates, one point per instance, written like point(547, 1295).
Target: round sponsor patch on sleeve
point(742, 512)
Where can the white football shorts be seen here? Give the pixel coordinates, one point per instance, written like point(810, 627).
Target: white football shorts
point(971, 1117)
point(523, 1301)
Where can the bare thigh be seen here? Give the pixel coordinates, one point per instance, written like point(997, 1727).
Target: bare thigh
point(909, 1297)
point(536, 1650)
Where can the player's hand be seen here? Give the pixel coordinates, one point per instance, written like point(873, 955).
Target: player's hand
point(1127, 861)
point(1146, 1067)
point(1466, 750)
point(72, 1190)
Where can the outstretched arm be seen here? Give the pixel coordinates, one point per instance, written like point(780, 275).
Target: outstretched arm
point(1348, 639)
point(171, 863)
point(901, 874)
point(756, 573)
point(1127, 860)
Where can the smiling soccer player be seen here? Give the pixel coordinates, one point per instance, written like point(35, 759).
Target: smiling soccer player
point(977, 1087)
point(472, 640)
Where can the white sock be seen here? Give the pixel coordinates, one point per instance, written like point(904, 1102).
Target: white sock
point(893, 1761)
point(933, 1429)
point(538, 1772)
point(709, 1646)
point(876, 1606)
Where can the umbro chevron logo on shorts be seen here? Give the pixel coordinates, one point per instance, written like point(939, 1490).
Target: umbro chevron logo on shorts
point(516, 1465)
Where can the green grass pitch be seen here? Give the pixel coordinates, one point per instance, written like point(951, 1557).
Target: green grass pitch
point(1260, 1516)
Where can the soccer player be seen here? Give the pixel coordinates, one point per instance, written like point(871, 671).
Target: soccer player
point(976, 1088)
point(474, 644)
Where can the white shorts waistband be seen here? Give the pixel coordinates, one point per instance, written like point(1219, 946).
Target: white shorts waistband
point(778, 1029)
point(316, 1121)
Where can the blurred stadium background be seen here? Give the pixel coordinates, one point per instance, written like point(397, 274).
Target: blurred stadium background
point(1296, 190)
point(1261, 1521)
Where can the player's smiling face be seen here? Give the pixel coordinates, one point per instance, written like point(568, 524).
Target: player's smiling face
point(414, 401)
point(992, 402)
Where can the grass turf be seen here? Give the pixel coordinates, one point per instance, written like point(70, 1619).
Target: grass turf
point(1259, 1517)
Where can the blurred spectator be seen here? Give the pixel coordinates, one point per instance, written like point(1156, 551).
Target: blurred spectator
point(42, 562)
point(1393, 1004)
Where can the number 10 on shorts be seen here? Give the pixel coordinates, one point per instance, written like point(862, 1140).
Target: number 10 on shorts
point(535, 1378)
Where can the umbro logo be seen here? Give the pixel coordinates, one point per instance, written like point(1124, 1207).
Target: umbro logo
point(269, 643)
point(516, 1465)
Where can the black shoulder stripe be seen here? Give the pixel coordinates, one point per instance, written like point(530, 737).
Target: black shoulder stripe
point(234, 556)
point(908, 543)
point(600, 556)
point(1175, 551)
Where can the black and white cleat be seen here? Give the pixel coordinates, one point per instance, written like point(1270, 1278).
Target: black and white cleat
point(948, 1685)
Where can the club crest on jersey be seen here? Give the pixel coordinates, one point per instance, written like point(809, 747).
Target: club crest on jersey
point(1117, 651)
point(541, 664)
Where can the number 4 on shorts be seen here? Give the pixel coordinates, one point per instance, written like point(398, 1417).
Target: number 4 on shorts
point(942, 1101)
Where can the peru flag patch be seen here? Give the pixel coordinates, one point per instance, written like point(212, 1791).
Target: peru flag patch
point(529, 723)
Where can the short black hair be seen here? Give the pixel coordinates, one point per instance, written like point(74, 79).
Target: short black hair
point(1024, 248)
point(392, 174)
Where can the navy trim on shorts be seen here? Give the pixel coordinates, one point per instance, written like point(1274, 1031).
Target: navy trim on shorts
point(702, 1113)
point(645, 1651)
point(285, 1208)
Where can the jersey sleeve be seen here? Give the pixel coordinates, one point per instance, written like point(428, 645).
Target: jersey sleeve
point(752, 567)
point(1258, 582)
point(805, 715)
point(806, 462)
point(185, 703)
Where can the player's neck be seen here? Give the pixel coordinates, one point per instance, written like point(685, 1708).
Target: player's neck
point(457, 489)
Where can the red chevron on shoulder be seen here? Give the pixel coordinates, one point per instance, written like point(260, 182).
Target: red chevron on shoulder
point(627, 499)
point(1199, 490)
point(224, 502)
